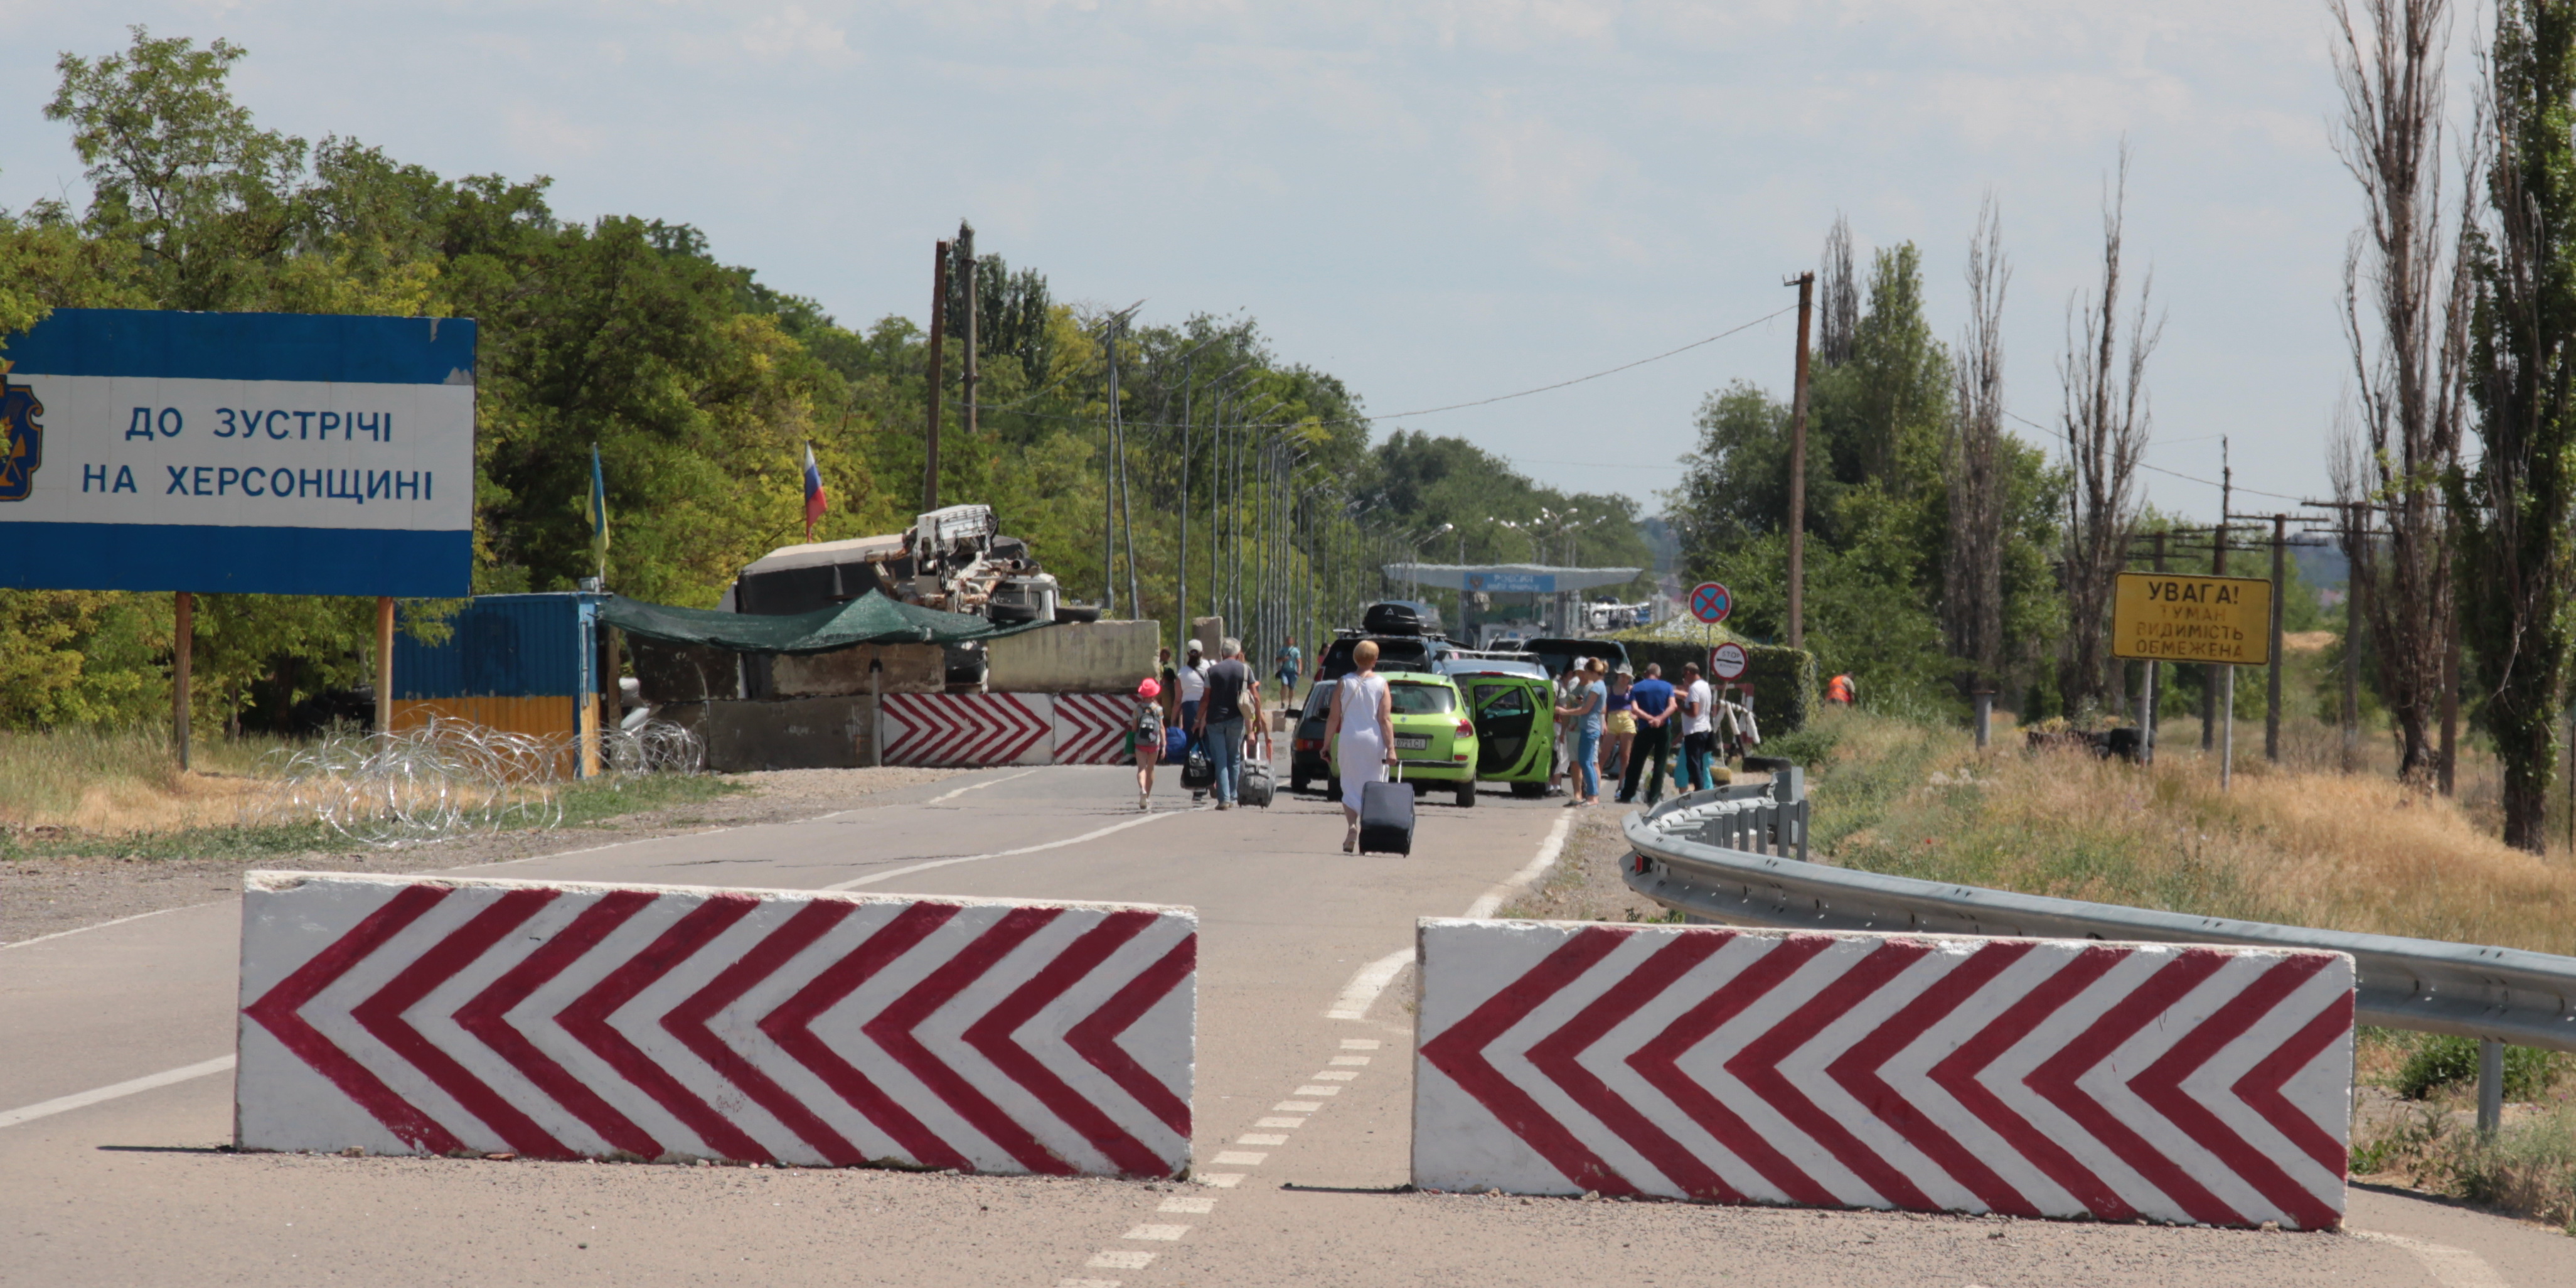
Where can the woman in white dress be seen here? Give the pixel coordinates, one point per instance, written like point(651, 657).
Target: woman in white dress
point(1361, 726)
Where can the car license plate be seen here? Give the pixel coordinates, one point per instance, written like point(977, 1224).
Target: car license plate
point(1413, 742)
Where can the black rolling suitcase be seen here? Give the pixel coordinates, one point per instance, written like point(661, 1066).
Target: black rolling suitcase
point(1386, 817)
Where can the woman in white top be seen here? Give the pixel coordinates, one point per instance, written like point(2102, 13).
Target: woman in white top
point(1363, 721)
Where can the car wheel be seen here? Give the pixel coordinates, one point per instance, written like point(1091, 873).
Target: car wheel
point(1467, 794)
point(1333, 788)
point(1297, 782)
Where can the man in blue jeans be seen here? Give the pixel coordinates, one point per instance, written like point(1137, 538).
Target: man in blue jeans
point(1651, 701)
point(1220, 718)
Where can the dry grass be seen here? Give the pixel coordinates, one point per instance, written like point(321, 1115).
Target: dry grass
point(117, 782)
point(2289, 843)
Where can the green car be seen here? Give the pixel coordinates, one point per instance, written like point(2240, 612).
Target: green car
point(1434, 740)
point(1514, 711)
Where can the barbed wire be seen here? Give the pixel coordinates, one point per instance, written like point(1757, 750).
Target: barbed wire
point(451, 778)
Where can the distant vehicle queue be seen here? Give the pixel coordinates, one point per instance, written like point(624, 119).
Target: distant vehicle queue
point(1542, 716)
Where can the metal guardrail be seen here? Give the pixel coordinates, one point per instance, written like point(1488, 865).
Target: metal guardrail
point(1736, 855)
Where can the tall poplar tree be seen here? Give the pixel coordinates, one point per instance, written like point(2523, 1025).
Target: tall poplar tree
point(2516, 551)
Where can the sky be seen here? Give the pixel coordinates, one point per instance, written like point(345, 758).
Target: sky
point(1437, 202)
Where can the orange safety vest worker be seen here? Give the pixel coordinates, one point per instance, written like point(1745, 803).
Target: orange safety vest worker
point(1839, 689)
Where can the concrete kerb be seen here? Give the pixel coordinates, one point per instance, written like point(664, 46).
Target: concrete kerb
point(2046, 1078)
point(551, 1019)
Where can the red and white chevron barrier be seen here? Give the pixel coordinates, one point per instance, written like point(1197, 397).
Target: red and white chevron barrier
point(1933, 1073)
point(407, 1015)
point(1091, 728)
point(973, 729)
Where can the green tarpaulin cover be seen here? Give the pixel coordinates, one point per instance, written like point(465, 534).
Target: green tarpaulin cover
point(870, 619)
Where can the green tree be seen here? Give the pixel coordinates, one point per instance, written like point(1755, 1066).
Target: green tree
point(2515, 506)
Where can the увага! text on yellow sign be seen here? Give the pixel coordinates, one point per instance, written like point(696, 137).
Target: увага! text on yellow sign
point(2174, 617)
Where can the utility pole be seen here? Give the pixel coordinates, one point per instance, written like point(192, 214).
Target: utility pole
point(2272, 682)
point(2154, 668)
point(2227, 700)
point(1806, 284)
point(938, 341)
point(966, 296)
point(2356, 516)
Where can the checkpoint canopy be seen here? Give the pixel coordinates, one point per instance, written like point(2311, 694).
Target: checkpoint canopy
point(271, 453)
point(1509, 579)
point(870, 619)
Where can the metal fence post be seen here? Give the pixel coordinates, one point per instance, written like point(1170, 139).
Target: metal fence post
point(2490, 1086)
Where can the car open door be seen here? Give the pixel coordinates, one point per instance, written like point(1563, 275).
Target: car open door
point(1515, 728)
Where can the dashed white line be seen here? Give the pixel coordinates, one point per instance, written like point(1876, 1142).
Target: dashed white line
point(1188, 1205)
point(1261, 1138)
point(1332, 1075)
point(1296, 1107)
point(1281, 1122)
point(1157, 1233)
point(1119, 1259)
point(1360, 1044)
point(1086, 1283)
point(2450, 1267)
point(1350, 1061)
point(1238, 1158)
point(1219, 1180)
point(84, 1099)
point(1319, 1091)
point(974, 787)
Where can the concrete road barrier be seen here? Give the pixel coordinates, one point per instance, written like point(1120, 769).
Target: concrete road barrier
point(2057, 1078)
point(403, 1015)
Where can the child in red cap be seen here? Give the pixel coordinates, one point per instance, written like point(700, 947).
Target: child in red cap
point(1145, 739)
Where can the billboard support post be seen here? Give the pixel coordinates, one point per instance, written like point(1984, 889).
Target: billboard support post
point(183, 640)
point(384, 664)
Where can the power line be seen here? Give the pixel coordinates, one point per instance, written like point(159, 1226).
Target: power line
point(1424, 411)
point(2187, 478)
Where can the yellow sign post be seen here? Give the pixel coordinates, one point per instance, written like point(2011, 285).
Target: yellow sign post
point(2178, 617)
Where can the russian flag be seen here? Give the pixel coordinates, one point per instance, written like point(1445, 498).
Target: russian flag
point(815, 502)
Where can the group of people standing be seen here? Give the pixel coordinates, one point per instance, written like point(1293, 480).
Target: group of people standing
point(1614, 724)
point(1217, 707)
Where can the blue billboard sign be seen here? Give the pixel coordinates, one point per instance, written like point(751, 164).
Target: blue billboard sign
point(1512, 583)
point(272, 453)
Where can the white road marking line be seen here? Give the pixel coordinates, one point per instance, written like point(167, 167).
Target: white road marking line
point(1363, 989)
point(1372, 979)
point(1281, 1122)
point(1261, 1138)
point(1319, 1091)
point(1333, 1075)
point(84, 1099)
point(1360, 1044)
point(1297, 1106)
point(1138, 821)
point(1238, 1158)
point(1157, 1233)
point(1086, 1283)
point(83, 930)
point(973, 787)
point(2450, 1267)
point(1188, 1205)
point(1220, 1180)
point(1359, 1060)
point(1119, 1259)
point(1491, 901)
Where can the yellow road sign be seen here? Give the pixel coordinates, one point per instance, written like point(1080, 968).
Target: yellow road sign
point(2178, 617)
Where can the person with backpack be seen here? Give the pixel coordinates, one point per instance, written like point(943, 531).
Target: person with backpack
point(1145, 738)
point(1193, 693)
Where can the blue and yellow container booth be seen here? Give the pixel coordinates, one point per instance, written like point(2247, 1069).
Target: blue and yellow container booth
point(514, 663)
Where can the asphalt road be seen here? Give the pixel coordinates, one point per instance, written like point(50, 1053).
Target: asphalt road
point(133, 1189)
